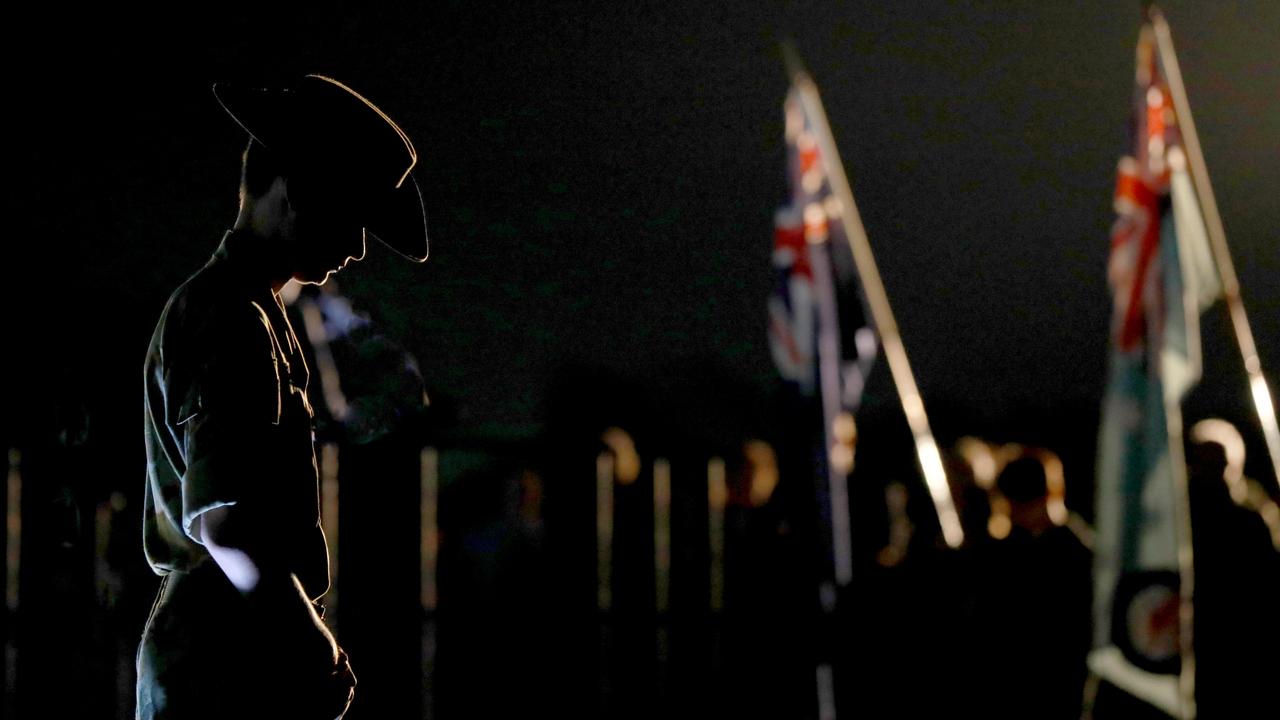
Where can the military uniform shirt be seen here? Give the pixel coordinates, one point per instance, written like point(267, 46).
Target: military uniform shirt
point(227, 421)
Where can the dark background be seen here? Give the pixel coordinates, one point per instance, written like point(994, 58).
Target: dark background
point(600, 184)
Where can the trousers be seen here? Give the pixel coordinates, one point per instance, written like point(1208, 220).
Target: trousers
point(207, 653)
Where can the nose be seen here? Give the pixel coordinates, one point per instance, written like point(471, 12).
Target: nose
point(358, 253)
point(355, 252)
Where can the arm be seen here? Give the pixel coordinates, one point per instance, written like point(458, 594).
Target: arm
point(239, 567)
point(309, 654)
point(247, 562)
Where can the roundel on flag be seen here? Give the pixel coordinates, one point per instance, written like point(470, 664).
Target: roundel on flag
point(1144, 622)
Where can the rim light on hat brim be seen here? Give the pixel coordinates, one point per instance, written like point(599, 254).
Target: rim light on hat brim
point(395, 225)
point(395, 217)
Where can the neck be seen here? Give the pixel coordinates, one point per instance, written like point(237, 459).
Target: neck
point(260, 256)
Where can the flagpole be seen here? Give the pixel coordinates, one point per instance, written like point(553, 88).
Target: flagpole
point(1262, 400)
point(912, 405)
point(1186, 567)
point(1176, 453)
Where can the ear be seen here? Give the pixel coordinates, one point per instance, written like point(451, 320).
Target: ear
point(272, 207)
point(280, 194)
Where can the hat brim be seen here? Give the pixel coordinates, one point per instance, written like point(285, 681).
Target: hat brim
point(398, 219)
point(259, 111)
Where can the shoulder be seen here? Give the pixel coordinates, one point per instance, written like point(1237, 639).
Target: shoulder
point(209, 315)
point(212, 342)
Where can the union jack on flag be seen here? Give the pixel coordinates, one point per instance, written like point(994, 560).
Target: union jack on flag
point(817, 321)
point(1152, 182)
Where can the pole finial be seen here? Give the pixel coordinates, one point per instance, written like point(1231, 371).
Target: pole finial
point(791, 58)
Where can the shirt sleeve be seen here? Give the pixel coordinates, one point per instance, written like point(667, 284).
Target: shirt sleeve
point(228, 412)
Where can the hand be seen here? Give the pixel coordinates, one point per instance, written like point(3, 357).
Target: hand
point(342, 684)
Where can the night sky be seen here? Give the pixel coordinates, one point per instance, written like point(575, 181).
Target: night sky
point(601, 181)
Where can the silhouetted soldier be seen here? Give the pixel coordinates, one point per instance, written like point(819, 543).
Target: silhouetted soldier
point(231, 519)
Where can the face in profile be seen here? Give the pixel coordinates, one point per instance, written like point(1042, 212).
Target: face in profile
point(327, 235)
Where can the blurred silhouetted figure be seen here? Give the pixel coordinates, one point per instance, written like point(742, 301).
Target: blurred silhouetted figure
point(1033, 603)
point(1237, 578)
